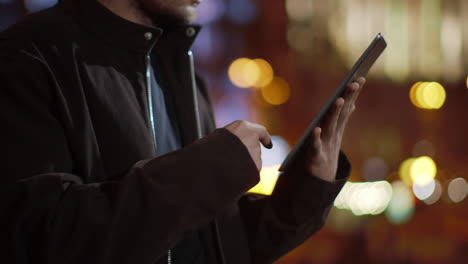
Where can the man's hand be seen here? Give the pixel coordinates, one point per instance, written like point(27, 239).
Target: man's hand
point(251, 134)
point(322, 158)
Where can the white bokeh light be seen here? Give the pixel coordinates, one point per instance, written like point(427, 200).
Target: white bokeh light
point(423, 192)
point(276, 155)
point(364, 198)
point(435, 196)
point(457, 190)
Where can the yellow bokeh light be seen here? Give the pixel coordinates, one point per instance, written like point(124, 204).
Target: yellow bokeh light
point(404, 171)
point(434, 95)
point(423, 170)
point(420, 96)
point(268, 178)
point(428, 95)
point(467, 82)
point(277, 92)
point(244, 72)
point(266, 73)
point(413, 94)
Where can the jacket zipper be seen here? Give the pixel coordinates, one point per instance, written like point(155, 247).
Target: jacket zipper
point(194, 92)
point(152, 122)
point(199, 135)
point(198, 127)
point(150, 101)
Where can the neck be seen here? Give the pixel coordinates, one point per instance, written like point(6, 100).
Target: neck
point(129, 10)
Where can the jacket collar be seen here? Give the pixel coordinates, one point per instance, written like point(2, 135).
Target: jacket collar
point(117, 31)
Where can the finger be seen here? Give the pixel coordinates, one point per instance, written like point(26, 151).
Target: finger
point(355, 91)
point(263, 136)
point(332, 117)
point(316, 140)
point(352, 94)
point(361, 81)
point(351, 90)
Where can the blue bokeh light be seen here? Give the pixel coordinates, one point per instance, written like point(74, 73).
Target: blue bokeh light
point(37, 5)
point(210, 11)
point(242, 12)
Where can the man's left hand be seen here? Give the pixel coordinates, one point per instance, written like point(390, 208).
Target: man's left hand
point(322, 156)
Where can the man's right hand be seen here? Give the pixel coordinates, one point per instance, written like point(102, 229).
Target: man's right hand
point(251, 135)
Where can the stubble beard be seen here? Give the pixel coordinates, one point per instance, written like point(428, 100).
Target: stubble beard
point(161, 14)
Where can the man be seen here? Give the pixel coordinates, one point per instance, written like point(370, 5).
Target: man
point(110, 153)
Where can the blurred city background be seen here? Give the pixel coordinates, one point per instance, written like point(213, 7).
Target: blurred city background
point(276, 62)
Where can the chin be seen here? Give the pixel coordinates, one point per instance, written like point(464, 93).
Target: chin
point(191, 15)
point(184, 15)
point(169, 13)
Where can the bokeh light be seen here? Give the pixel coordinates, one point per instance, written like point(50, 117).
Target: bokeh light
point(401, 206)
point(275, 155)
point(423, 192)
point(412, 94)
point(277, 92)
point(299, 10)
point(434, 95)
point(268, 178)
point(457, 190)
point(423, 170)
point(404, 171)
point(210, 11)
point(37, 5)
point(419, 171)
point(420, 95)
point(428, 95)
point(266, 73)
point(436, 194)
point(242, 12)
point(374, 169)
point(364, 197)
point(244, 72)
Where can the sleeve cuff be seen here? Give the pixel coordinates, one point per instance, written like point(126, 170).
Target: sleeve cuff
point(301, 194)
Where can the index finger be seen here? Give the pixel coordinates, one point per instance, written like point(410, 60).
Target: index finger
point(264, 136)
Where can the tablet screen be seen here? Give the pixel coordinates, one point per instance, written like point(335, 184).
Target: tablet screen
point(360, 69)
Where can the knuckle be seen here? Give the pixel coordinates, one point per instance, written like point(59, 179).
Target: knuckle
point(242, 123)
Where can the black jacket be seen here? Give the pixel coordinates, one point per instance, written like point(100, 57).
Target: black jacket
point(78, 179)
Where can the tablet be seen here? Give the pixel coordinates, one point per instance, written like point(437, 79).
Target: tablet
point(360, 69)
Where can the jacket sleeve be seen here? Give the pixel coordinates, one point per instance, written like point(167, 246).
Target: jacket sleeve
point(48, 215)
point(297, 208)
